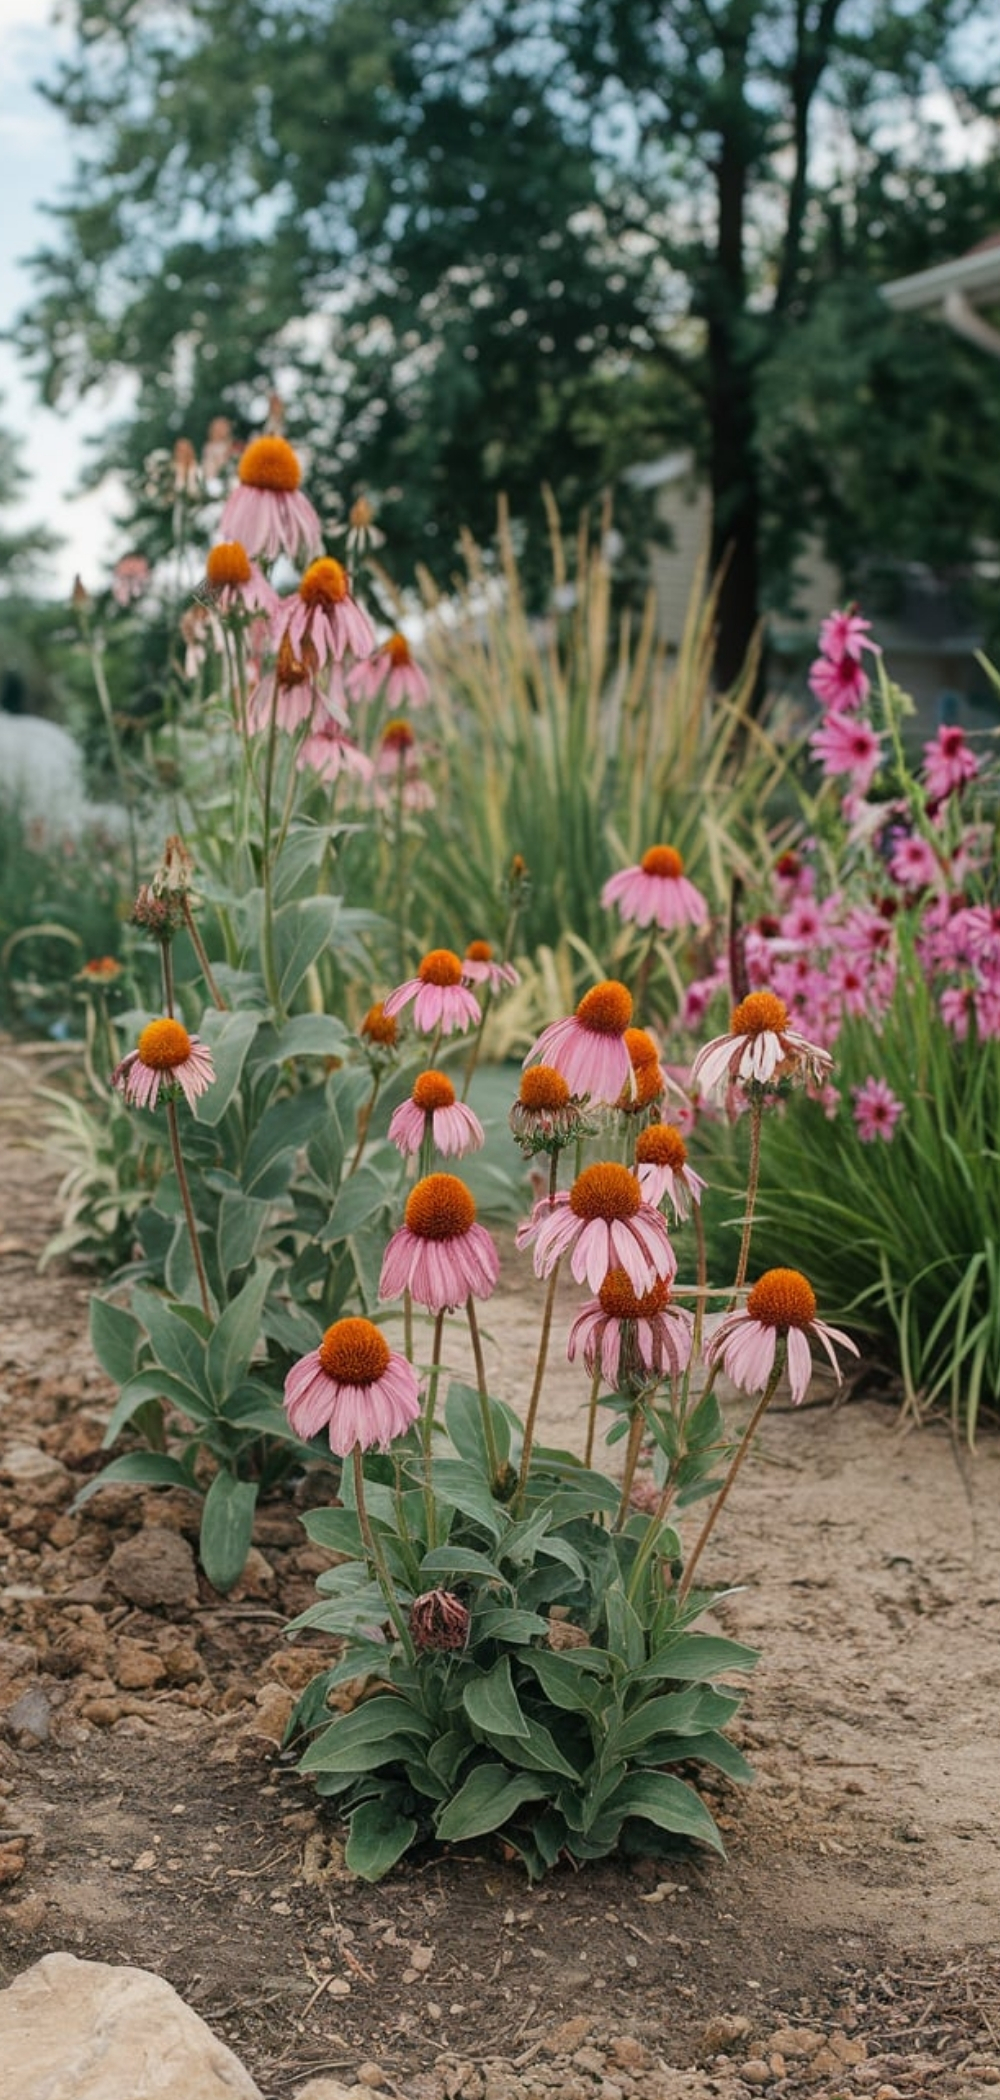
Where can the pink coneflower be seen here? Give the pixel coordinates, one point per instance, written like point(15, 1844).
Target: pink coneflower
point(876, 1111)
point(390, 670)
point(546, 1116)
point(355, 1387)
point(433, 1110)
point(842, 686)
point(440, 1254)
point(440, 999)
point(236, 583)
point(783, 1303)
point(606, 1223)
point(914, 863)
point(166, 1055)
point(657, 892)
point(662, 1169)
point(847, 745)
point(267, 511)
point(635, 1336)
point(323, 614)
point(589, 1049)
point(130, 579)
point(399, 762)
point(327, 751)
point(760, 1049)
point(290, 691)
point(648, 1082)
point(479, 966)
point(846, 633)
point(948, 763)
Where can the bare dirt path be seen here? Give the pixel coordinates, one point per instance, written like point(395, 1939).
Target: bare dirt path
point(851, 1943)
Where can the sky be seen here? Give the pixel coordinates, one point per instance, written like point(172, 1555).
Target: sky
point(35, 165)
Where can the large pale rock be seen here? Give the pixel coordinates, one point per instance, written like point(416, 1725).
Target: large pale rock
point(85, 2030)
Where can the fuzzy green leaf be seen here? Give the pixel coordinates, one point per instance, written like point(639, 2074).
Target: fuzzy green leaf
point(379, 1836)
point(227, 1528)
point(489, 1795)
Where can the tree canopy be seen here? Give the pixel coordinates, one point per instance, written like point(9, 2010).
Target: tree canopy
point(487, 243)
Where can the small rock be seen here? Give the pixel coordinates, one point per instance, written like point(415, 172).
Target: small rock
point(257, 1580)
point(28, 1915)
point(570, 2035)
point(628, 2053)
point(372, 2075)
point(37, 1476)
point(155, 1570)
point(135, 1667)
point(754, 2072)
point(326, 2089)
point(794, 2042)
point(27, 1721)
point(720, 2034)
point(272, 1709)
point(846, 2049)
point(98, 2031)
point(182, 1662)
point(13, 1859)
point(910, 1833)
point(590, 2060)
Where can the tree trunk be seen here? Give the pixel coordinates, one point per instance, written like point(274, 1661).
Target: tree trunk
point(735, 504)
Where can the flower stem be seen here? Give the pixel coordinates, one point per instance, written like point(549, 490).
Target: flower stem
point(536, 1390)
point(595, 1387)
point(199, 948)
point(428, 1430)
point(633, 1447)
point(267, 878)
point(734, 1466)
point(167, 968)
point(364, 1119)
point(477, 1044)
point(377, 1557)
point(753, 1178)
point(492, 1455)
point(182, 1182)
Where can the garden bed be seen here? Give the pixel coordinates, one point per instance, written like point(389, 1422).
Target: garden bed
point(849, 1944)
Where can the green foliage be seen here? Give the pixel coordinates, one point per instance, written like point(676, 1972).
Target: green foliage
point(553, 1723)
point(553, 240)
point(60, 906)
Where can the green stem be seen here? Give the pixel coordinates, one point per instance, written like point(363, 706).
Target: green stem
point(377, 1557)
point(206, 968)
point(267, 878)
point(536, 1390)
point(182, 1181)
point(492, 1455)
point(364, 1119)
point(632, 1450)
point(433, 1377)
point(736, 1462)
point(477, 1043)
point(753, 1178)
point(167, 967)
point(595, 1387)
point(408, 1326)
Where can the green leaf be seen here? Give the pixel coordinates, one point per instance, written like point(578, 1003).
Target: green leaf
point(379, 1836)
point(176, 1344)
point(709, 1747)
point(661, 1799)
point(463, 1487)
point(229, 1036)
point(226, 1529)
point(676, 1713)
point(361, 1197)
point(336, 1529)
point(155, 1384)
point(146, 1468)
point(241, 1221)
point(498, 1623)
point(492, 1703)
point(625, 1634)
point(307, 1035)
point(489, 1795)
point(696, 1655)
point(537, 1749)
point(235, 1337)
point(372, 1734)
point(566, 1683)
point(461, 1560)
point(284, 1127)
point(463, 1421)
point(301, 932)
point(116, 1338)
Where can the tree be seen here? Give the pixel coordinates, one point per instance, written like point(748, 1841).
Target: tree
point(488, 243)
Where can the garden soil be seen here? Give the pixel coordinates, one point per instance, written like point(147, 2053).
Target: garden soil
point(850, 1942)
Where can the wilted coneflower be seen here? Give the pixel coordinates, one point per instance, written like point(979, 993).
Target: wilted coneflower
point(290, 691)
point(390, 670)
point(236, 583)
point(637, 1335)
point(760, 1049)
point(662, 1169)
point(657, 892)
point(353, 1386)
point(267, 511)
point(440, 1254)
point(782, 1305)
point(479, 966)
point(433, 1110)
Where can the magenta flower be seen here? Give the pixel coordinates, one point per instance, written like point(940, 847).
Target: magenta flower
point(662, 1169)
point(267, 511)
point(633, 1335)
point(432, 1108)
point(607, 1225)
point(590, 1049)
point(842, 686)
point(322, 615)
point(876, 1111)
point(760, 1049)
point(165, 1054)
point(440, 999)
point(328, 752)
point(290, 691)
point(781, 1304)
point(914, 863)
point(845, 744)
point(390, 670)
point(846, 634)
point(657, 892)
point(355, 1387)
point(948, 763)
point(440, 1255)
